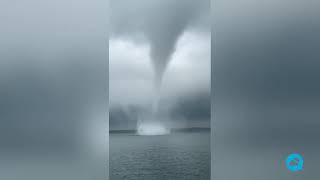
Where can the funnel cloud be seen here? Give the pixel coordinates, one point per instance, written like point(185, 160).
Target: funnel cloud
point(161, 23)
point(147, 36)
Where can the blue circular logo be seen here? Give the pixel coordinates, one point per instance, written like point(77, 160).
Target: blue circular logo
point(294, 162)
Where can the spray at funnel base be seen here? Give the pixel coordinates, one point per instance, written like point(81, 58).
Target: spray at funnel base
point(153, 123)
point(152, 129)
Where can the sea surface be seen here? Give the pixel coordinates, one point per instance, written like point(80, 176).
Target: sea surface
point(178, 156)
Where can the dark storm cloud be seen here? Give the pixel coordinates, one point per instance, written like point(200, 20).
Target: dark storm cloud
point(131, 18)
point(160, 22)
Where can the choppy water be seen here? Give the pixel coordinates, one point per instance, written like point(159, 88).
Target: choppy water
point(178, 156)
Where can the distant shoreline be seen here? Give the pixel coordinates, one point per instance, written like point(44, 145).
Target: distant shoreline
point(172, 130)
